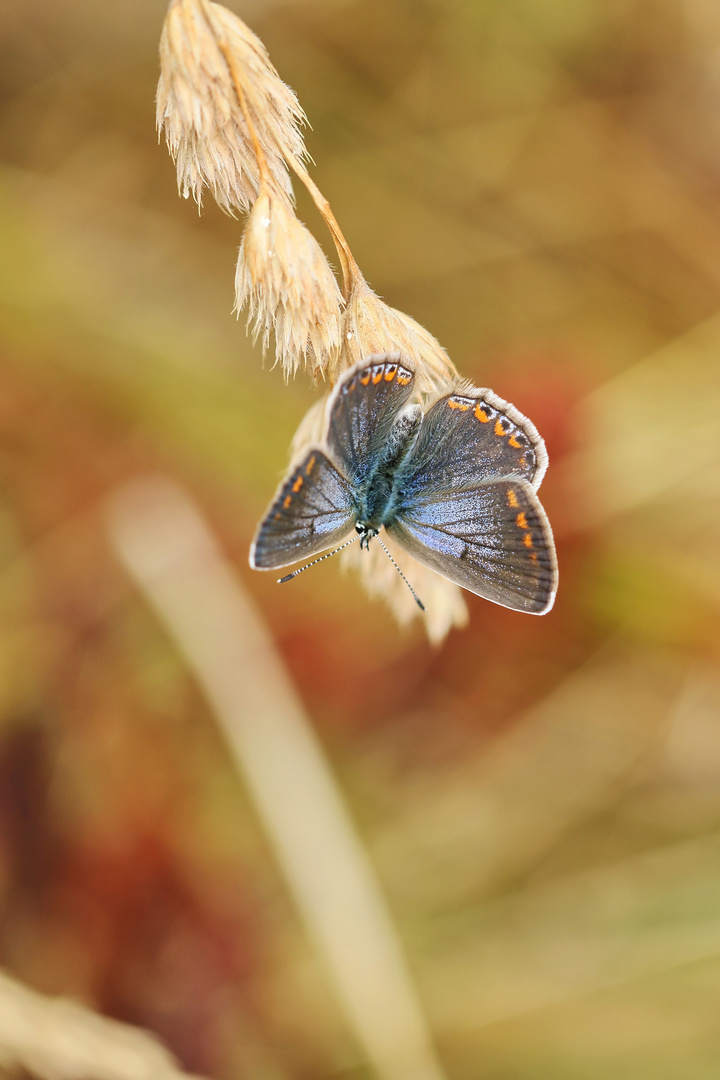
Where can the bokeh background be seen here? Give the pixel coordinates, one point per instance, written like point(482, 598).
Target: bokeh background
point(538, 182)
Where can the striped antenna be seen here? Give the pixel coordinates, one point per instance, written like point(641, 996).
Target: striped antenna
point(418, 601)
point(289, 577)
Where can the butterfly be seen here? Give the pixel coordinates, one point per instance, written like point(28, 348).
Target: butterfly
point(454, 486)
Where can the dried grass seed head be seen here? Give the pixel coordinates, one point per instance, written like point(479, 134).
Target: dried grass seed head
point(287, 285)
point(371, 326)
point(211, 65)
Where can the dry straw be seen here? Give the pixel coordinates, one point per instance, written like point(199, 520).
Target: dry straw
point(216, 80)
point(233, 126)
point(286, 283)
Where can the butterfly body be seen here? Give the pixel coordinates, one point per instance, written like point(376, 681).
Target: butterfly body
point(454, 486)
point(380, 493)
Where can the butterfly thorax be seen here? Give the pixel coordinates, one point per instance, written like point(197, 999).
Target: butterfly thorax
point(379, 501)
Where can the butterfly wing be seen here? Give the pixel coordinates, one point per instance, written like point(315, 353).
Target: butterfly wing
point(466, 437)
point(312, 510)
point(363, 409)
point(492, 538)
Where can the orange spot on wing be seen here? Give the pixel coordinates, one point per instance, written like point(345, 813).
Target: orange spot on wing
point(404, 379)
point(310, 465)
point(461, 405)
point(287, 500)
point(522, 521)
point(527, 540)
point(277, 517)
point(481, 415)
point(512, 499)
point(533, 556)
point(298, 484)
point(513, 442)
point(390, 373)
point(377, 376)
point(499, 429)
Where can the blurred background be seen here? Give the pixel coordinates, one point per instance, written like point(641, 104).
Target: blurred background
point(538, 182)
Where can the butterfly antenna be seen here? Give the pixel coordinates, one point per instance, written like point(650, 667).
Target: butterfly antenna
point(418, 601)
point(288, 577)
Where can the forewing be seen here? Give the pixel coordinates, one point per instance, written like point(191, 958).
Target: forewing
point(365, 404)
point(493, 539)
point(312, 510)
point(470, 437)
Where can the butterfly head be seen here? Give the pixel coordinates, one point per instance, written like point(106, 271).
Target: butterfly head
point(366, 533)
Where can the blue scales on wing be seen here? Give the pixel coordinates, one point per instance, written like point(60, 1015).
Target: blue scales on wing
point(466, 502)
point(476, 435)
point(491, 538)
point(312, 510)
